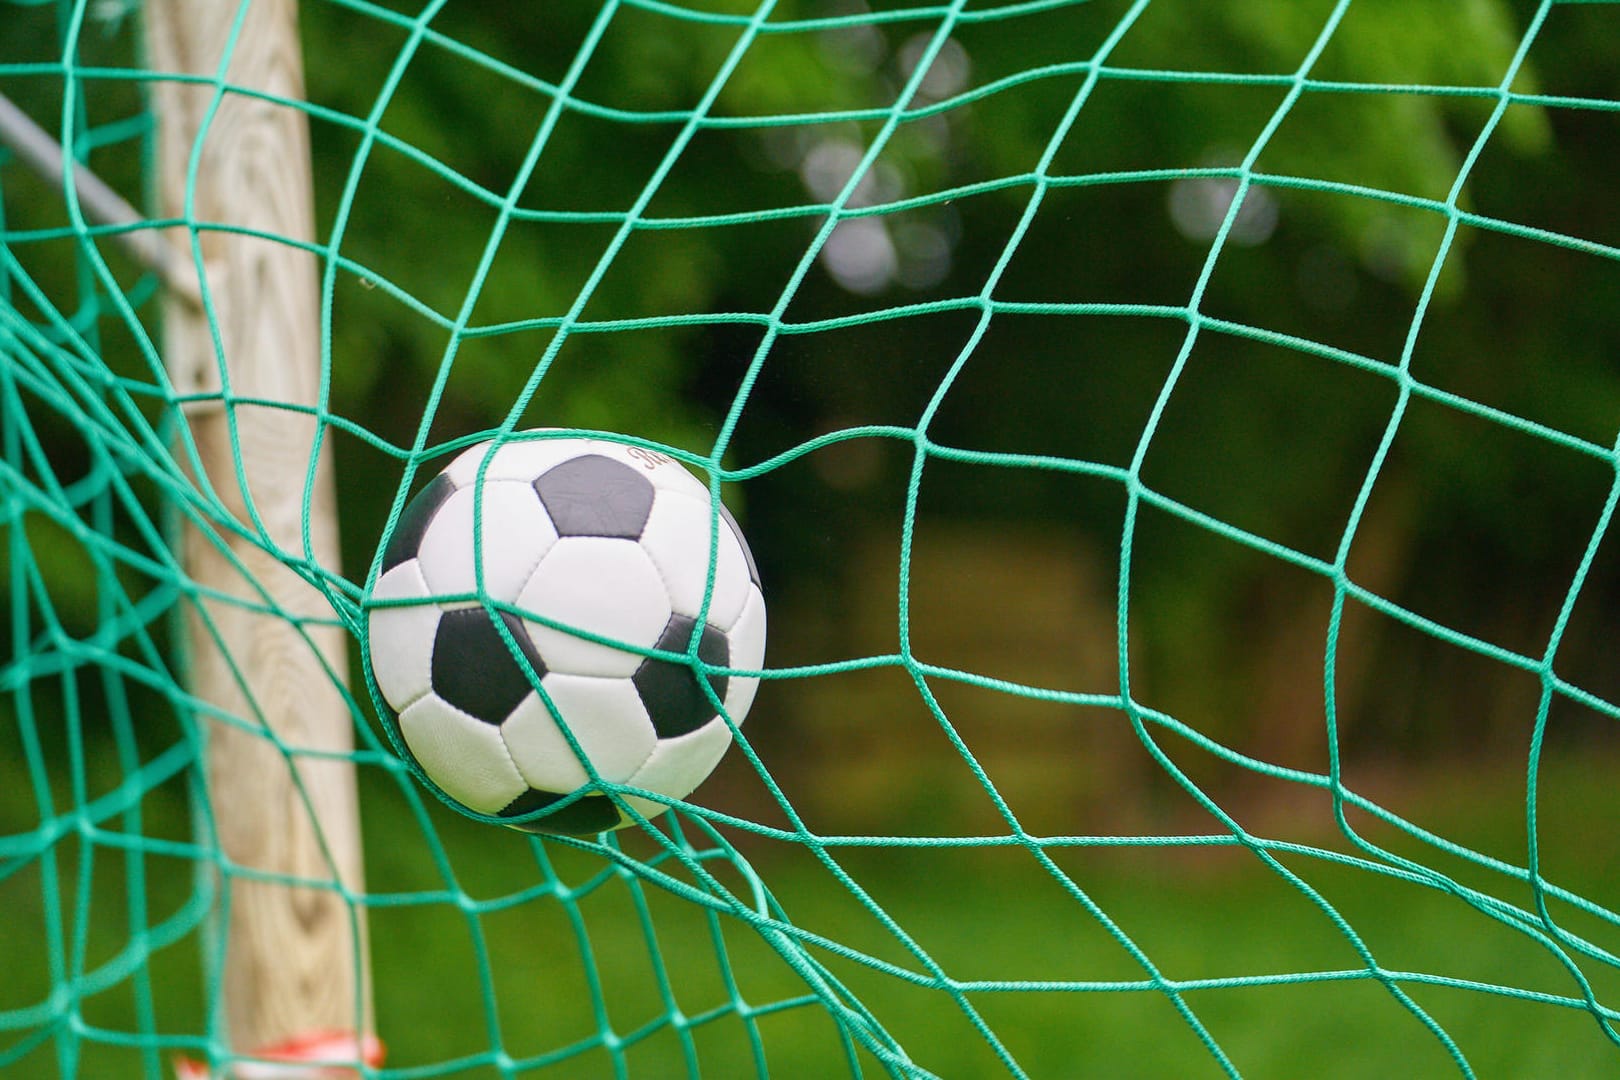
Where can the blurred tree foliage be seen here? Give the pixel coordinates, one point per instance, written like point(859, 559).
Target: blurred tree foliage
point(1274, 440)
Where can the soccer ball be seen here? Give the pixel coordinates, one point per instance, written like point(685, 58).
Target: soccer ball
point(603, 549)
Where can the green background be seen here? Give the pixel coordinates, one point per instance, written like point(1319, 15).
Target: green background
point(1326, 320)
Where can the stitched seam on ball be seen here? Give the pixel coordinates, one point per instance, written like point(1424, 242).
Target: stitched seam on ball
point(523, 581)
point(605, 678)
point(642, 764)
point(399, 710)
point(711, 588)
point(639, 765)
point(507, 750)
point(426, 601)
point(652, 558)
point(413, 699)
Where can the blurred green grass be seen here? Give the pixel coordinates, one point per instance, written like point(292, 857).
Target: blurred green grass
point(492, 959)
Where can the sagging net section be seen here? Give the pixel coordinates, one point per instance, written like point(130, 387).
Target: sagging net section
point(1179, 445)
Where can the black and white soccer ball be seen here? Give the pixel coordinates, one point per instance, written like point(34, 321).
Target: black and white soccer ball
point(598, 545)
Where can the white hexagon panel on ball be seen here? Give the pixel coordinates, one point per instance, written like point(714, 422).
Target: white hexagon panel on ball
point(561, 612)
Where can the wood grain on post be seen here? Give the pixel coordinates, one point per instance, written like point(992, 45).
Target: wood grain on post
point(295, 957)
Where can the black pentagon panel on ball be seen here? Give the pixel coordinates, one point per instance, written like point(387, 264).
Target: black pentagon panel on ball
point(472, 667)
point(592, 495)
point(670, 690)
point(585, 816)
point(753, 569)
point(414, 520)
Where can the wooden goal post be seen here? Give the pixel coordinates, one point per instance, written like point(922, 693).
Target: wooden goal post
point(295, 959)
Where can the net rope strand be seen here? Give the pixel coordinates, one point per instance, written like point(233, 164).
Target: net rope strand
point(107, 841)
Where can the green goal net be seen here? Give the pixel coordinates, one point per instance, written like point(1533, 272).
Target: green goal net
point(1179, 445)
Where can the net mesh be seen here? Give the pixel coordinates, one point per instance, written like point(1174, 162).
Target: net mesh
point(1178, 438)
